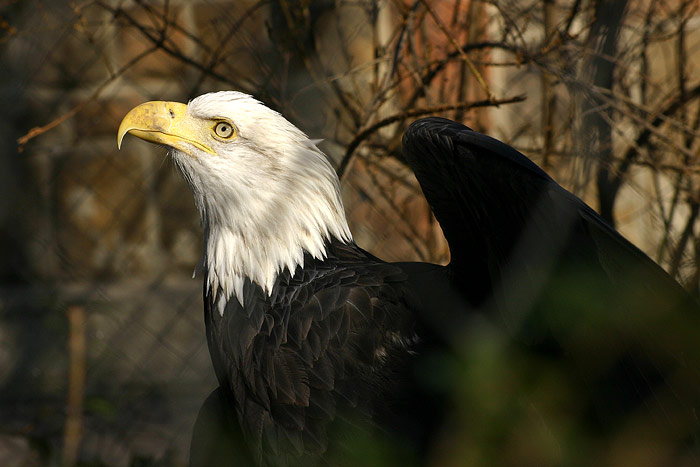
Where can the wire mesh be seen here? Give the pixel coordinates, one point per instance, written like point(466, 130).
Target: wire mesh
point(114, 237)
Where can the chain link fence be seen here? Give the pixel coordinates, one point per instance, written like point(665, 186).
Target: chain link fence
point(103, 357)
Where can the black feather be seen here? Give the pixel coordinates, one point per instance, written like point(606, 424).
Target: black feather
point(350, 344)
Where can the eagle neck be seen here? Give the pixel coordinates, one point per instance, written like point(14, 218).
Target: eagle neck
point(256, 245)
point(262, 210)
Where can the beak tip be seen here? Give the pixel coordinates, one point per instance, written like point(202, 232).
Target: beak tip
point(120, 139)
point(123, 130)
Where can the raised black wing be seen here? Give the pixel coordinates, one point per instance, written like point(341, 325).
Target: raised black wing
point(563, 285)
point(501, 214)
point(323, 358)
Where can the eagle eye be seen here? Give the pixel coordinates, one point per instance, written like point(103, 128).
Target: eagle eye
point(224, 130)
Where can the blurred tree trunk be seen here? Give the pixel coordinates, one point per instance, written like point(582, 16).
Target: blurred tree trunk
point(598, 73)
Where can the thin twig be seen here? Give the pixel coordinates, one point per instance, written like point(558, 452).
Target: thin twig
point(461, 51)
point(162, 44)
point(364, 134)
point(37, 131)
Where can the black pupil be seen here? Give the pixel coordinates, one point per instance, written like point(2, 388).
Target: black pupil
point(224, 129)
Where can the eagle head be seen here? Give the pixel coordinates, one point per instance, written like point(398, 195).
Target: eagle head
point(265, 193)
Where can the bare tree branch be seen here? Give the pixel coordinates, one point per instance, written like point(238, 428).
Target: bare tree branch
point(364, 134)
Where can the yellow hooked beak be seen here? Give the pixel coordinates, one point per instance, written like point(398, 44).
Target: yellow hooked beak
point(165, 123)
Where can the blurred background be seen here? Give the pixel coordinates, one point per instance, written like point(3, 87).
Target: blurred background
point(103, 359)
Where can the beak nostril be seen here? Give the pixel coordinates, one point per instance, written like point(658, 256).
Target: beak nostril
point(172, 114)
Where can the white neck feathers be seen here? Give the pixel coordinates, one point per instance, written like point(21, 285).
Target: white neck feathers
point(259, 221)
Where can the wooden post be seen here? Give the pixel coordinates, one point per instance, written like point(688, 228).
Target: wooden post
point(73, 430)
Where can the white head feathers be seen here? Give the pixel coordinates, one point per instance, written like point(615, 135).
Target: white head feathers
point(265, 197)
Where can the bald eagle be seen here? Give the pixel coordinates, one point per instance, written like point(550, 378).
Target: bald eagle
point(315, 342)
